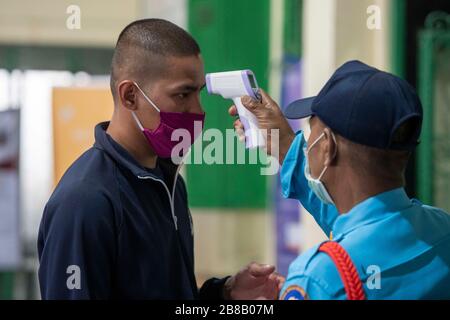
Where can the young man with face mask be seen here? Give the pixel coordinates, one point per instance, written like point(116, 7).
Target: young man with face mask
point(118, 223)
point(349, 175)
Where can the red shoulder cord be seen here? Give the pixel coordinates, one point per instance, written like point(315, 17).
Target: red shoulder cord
point(352, 284)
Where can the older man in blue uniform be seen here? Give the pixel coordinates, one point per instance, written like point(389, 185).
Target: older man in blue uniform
point(350, 176)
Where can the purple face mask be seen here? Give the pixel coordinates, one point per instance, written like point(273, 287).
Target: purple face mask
point(160, 139)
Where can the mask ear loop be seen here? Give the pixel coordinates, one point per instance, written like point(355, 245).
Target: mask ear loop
point(312, 144)
point(335, 152)
point(137, 121)
point(149, 100)
point(146, 97)
point(322, 173)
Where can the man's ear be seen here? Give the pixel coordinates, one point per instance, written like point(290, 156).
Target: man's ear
point(330, 147)
point(128, 95)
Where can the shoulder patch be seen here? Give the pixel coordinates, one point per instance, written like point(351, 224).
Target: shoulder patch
point(294, 292)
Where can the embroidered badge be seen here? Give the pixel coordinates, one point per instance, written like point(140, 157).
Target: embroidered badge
point(294, 292)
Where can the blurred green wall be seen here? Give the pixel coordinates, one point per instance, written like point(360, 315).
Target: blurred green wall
point(233, 35)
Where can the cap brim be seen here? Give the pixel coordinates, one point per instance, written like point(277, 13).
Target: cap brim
point(299, 109)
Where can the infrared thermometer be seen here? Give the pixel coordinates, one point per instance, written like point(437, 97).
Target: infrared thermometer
point(234, 85)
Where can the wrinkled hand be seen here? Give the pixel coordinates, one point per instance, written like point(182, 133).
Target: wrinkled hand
point(269, 118)
point(254, 282)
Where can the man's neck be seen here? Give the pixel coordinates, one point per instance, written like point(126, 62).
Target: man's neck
point(358, 189)
point(133, 141)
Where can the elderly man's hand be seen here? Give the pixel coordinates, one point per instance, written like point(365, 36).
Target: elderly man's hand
point(254, 282)
point(269, 118)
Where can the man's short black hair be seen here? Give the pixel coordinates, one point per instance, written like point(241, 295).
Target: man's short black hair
point(142, 47)
point(387, 164)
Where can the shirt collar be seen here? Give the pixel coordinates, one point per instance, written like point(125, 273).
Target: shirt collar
point(371, 210)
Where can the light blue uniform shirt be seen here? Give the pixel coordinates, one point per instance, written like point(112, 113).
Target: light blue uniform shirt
point(400, 247)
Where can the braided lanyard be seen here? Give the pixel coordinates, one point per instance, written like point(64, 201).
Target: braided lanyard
point(349, 275)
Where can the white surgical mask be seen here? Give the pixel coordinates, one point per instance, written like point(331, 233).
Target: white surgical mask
point(316, 185)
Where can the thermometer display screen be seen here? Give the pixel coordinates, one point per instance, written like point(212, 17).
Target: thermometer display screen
point(251, 78)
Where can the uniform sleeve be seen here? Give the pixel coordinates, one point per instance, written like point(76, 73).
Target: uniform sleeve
point(77, 245)
point(295, 186)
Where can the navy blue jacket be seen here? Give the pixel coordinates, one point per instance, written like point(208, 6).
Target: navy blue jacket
point(113, 229)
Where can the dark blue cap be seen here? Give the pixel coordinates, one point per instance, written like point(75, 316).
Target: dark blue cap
point(364, 105)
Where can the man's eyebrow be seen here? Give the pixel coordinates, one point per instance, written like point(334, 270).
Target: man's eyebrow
point(191, 87)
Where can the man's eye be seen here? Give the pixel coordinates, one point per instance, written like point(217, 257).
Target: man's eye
point(182, 95)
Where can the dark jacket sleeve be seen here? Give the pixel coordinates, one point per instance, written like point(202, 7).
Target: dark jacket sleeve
point(77, 245)
point(212, 289)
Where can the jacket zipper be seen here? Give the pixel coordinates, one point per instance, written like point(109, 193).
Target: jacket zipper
point(171, 196)
point(172, 208)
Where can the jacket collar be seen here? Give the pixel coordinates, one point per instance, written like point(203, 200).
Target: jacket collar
point(370, 210)
point(121, 156)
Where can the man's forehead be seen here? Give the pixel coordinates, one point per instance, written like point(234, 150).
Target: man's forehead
point(189, 65)
point(185, 71)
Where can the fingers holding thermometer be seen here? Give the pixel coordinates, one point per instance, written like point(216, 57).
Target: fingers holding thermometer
point(269, 118)
point(238, 126)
